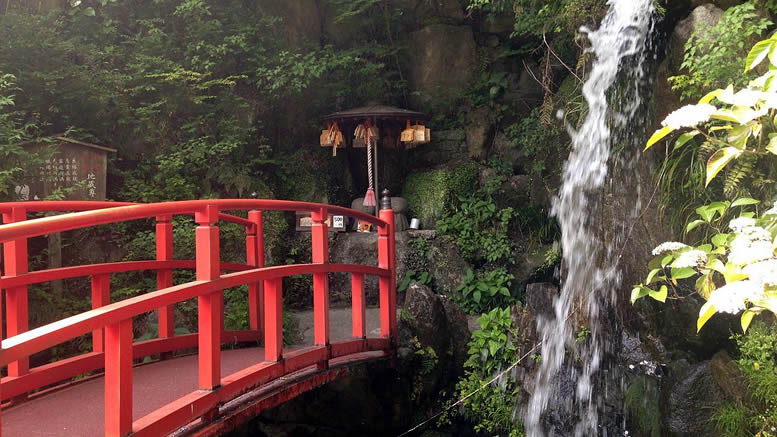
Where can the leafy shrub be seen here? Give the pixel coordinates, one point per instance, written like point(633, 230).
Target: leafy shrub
point(417, 262)
point(711, 58)
point(493, 348)
point(485, 290)
point(756, 416)
point(479, 228)
point(739, 127)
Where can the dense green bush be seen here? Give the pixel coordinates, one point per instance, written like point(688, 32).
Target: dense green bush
point(756, 415)
point(492, 349)
point(483, 291)
point(712, 55)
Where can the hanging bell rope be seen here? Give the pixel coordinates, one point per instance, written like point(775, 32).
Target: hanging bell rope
point(369, 197)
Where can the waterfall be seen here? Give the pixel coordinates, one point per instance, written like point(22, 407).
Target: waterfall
point(591, 279)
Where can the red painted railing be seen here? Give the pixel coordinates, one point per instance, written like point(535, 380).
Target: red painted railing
point(110, 324)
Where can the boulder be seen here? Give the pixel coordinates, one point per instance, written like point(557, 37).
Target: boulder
point(429, 193)
point(441, 58)
point(429, 11)
point(480, 132)
point(446, 146)
point(729, 378)
point(539, 298)
point(360, 248)
point(692, 400)
point(701, 18)
point(722, 4)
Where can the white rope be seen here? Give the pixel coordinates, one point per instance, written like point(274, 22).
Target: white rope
point(369, 159)
point(450, 407)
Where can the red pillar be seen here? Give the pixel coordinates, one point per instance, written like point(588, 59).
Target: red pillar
point(386, 260)
point(320, 235)
point(118, 379)
point(16, 298)
point(273, 320)
point(255, 258)
point(357, 306)
point(164, 277)
point(101, 296)
point(210, 312)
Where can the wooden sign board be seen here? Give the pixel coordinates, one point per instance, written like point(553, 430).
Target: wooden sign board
point(336, 223)
point(79, 166)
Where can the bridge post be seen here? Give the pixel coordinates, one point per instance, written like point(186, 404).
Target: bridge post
point(273, 328)
point(17, 318)
point(101, 296)
point(209, 307)
point(320, 237)
point(255, 258)
point(387, 260)
point(164, 277)
point(118, 379)
point(358, 324)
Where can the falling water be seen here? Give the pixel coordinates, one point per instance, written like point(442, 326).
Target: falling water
point(591, 278)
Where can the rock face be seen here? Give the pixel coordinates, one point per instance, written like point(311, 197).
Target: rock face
point(702, 18)
point(480, 132)
point(692, 400)
point(445, 146)
point(441, 58)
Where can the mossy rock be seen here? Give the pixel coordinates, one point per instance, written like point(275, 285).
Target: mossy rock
point(642, 407)
point(430, 193)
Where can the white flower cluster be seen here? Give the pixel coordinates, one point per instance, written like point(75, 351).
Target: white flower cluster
point(763, 273)
point(690, 115)
point(731, 297)
point(753, 244)
point(772, 211)
point(740, 223)
point(669, 246)
point(691, 258)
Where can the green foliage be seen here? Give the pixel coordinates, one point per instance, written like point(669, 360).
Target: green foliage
point(534, 139)
point(425, 360)
point(493, 348)
point(417, 261)
point(711, 58)
point(479, 228)
point(739, 129)
point(755, 415)
point(538, 17)
point(485, 290)
point(13, 157)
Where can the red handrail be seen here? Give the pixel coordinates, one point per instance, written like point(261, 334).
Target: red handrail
point(111, 323)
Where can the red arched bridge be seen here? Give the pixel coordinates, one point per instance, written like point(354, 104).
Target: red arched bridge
point(195, 393)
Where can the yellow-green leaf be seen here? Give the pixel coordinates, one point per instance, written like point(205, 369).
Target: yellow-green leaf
point(772, 146)
point(684, 138)
point(658, 136)
point(733, 273)
point(758, 54)
point(651, 276)
point(660, 295)
point(719, 160)
point(711, 95)
point(707, 310)
point(747, 317)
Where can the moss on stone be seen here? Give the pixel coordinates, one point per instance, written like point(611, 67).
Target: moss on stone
point(430, 193)
point(642, 407)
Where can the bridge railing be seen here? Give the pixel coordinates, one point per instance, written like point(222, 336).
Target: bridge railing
point(111, 323)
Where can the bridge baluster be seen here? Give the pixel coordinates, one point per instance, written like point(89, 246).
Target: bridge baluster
point(16, 298)
point(101, 296)
point(209, 307)
point(118, 379)
point(273, 320)
point(387, 260)
point(357, 306)
point(164, 277)
point(255, 258)
point(320, 237)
